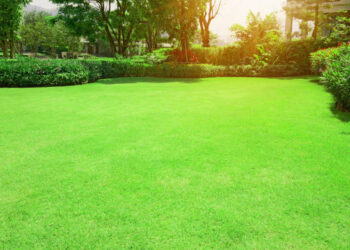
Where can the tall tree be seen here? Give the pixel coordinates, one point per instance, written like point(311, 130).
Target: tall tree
point(35, 31)
point(82, 20)
point(181, 21)
point(10, 18)
point(208, 11)
point(118, 18)
point(151, 26)
point(260, 36)
point(39, 30)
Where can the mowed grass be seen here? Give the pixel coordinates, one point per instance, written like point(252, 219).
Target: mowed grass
point(174, 164)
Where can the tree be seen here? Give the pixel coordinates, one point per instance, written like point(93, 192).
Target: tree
point(209, 10)
point(151, 25)
point(340, 31)
point(63, 39)
point(82, 20)
point(118, 18)
point(41, 31)
point(181, 21)
point(10, 18)
point(35, 31)
point(260, 36)
point(198, 39)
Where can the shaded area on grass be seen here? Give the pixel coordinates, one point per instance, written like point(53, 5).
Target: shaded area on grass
point(342, 116)
point(126, 80)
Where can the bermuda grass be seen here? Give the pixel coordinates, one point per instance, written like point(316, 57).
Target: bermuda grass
point(151, 163)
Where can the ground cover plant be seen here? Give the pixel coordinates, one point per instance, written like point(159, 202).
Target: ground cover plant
point(154, 163)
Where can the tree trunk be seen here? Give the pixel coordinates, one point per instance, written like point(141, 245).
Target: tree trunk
point(184, 47)
point(317, 9)
point(12, 47)
point(4, 49)
point(111, 40)
point(126, 39)
point(205, 32)
point(206, 38)
point(150, 38)
point(155, 39)
point(2, 45)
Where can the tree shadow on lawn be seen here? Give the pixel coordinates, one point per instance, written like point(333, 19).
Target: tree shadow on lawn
point(132, 80)
point(128, 80)
point(340, 115)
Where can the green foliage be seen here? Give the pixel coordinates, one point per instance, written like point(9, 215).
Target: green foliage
point(82, 20)
point(340, 31)
point(321, 58)
point(260, 37)
point(296, 52)
point(39, 32)
point(10, 17)
point(207, 70)
point(181, 21)
point(34, 72)
point(229, 55)
point(336, 75)
point(156, 57)
point(118, 19)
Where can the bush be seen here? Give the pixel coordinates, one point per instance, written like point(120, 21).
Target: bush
point(321, 58)
point(229, 55)
point(34, 72)
point(207, 70)
point(281, 70)
point(94, 68)
point(156, 57)
point(295, 52)
point(336, 76)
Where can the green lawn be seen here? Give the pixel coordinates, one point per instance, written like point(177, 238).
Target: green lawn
point(173, 164)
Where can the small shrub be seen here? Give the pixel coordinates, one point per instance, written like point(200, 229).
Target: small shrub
point(156, 57)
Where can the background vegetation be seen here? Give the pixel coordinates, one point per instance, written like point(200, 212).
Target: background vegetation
point(166, 38)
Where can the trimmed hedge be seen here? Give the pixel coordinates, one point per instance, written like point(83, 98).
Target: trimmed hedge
point(33, 72)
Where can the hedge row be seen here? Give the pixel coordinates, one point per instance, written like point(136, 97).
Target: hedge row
point(287, 52)
point(30, 73)
point(334, 66)
point(33, 72)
